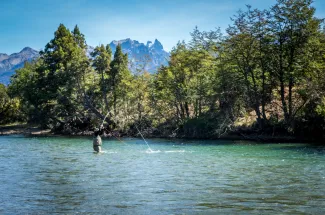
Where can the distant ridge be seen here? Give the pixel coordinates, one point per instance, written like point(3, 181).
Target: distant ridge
point(9, 63)
point(152, 54)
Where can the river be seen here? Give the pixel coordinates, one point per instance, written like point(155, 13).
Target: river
point(51, 175)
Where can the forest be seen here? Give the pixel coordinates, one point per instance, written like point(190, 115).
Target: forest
point(262, 76)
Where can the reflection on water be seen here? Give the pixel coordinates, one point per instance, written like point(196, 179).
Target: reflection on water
point(63, 175)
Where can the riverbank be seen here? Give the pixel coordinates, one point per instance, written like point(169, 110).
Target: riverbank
point(30, 130)
point(24, 129)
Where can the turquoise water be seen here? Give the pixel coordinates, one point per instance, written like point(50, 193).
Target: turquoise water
point(63, 175)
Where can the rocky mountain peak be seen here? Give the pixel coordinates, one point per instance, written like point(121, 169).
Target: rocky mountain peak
point(124, 41)
point(3, 56)
point(151, 53)
point(139, 52)
point(28, 49)
point(157, 45)
point(149, 44)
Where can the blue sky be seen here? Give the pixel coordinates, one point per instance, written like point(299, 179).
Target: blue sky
point(33, 22)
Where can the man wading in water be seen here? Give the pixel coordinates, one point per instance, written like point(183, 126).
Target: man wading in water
point(97, 141)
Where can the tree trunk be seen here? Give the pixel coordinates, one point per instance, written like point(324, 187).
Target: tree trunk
point(196, 108)
point(200, 107)
point(290, 96)
point(282, 92)
point(281, 79)
point(114, 103)
point(182, 110)
point(187, 110)
point(263, 94)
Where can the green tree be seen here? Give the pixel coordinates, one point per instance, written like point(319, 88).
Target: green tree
point(30, 86)
point(79, 38)
point(102, 58)
point(248, 45)
point(294, 26)
point(65, 66)
point(187, 83)
point(119, 76)
point(9, 107)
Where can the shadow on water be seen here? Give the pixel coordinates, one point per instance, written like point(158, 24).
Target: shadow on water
point(302, 148)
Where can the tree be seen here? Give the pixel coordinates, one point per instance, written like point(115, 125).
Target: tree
point(187, 83)
point(140, 89)
point(248, 45)
point(202, 63)
point(79, 38)
point(9, 107)
point(66, 64)
point(293, 25)
point(31, 86)
point(118, 76)
point(102, 58)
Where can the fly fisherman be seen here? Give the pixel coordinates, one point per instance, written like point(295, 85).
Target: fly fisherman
point(97, 141)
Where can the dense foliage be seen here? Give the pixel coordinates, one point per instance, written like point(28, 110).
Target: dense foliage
point(9, 107)
point(266, 75)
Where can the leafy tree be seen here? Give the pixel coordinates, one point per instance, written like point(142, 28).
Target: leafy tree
point(102, 58)
point(186, 84)
point(294, 26)
point(65, 66)
point(79, 38)
point(119, 76)
point(29, 84)
point(248, 45)
point(9, 107)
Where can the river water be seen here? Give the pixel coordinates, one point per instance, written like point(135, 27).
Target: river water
point(63, 175)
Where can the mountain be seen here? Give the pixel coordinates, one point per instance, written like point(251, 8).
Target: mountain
point(9, 63)
point(151, 54)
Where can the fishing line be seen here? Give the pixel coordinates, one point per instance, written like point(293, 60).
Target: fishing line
point(135, 127)
point(143, 138)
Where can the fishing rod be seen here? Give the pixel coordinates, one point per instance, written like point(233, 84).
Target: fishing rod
point(105, 118)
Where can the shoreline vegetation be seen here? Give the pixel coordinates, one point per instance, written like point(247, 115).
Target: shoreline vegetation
point(263, 79)
point(35, 131)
